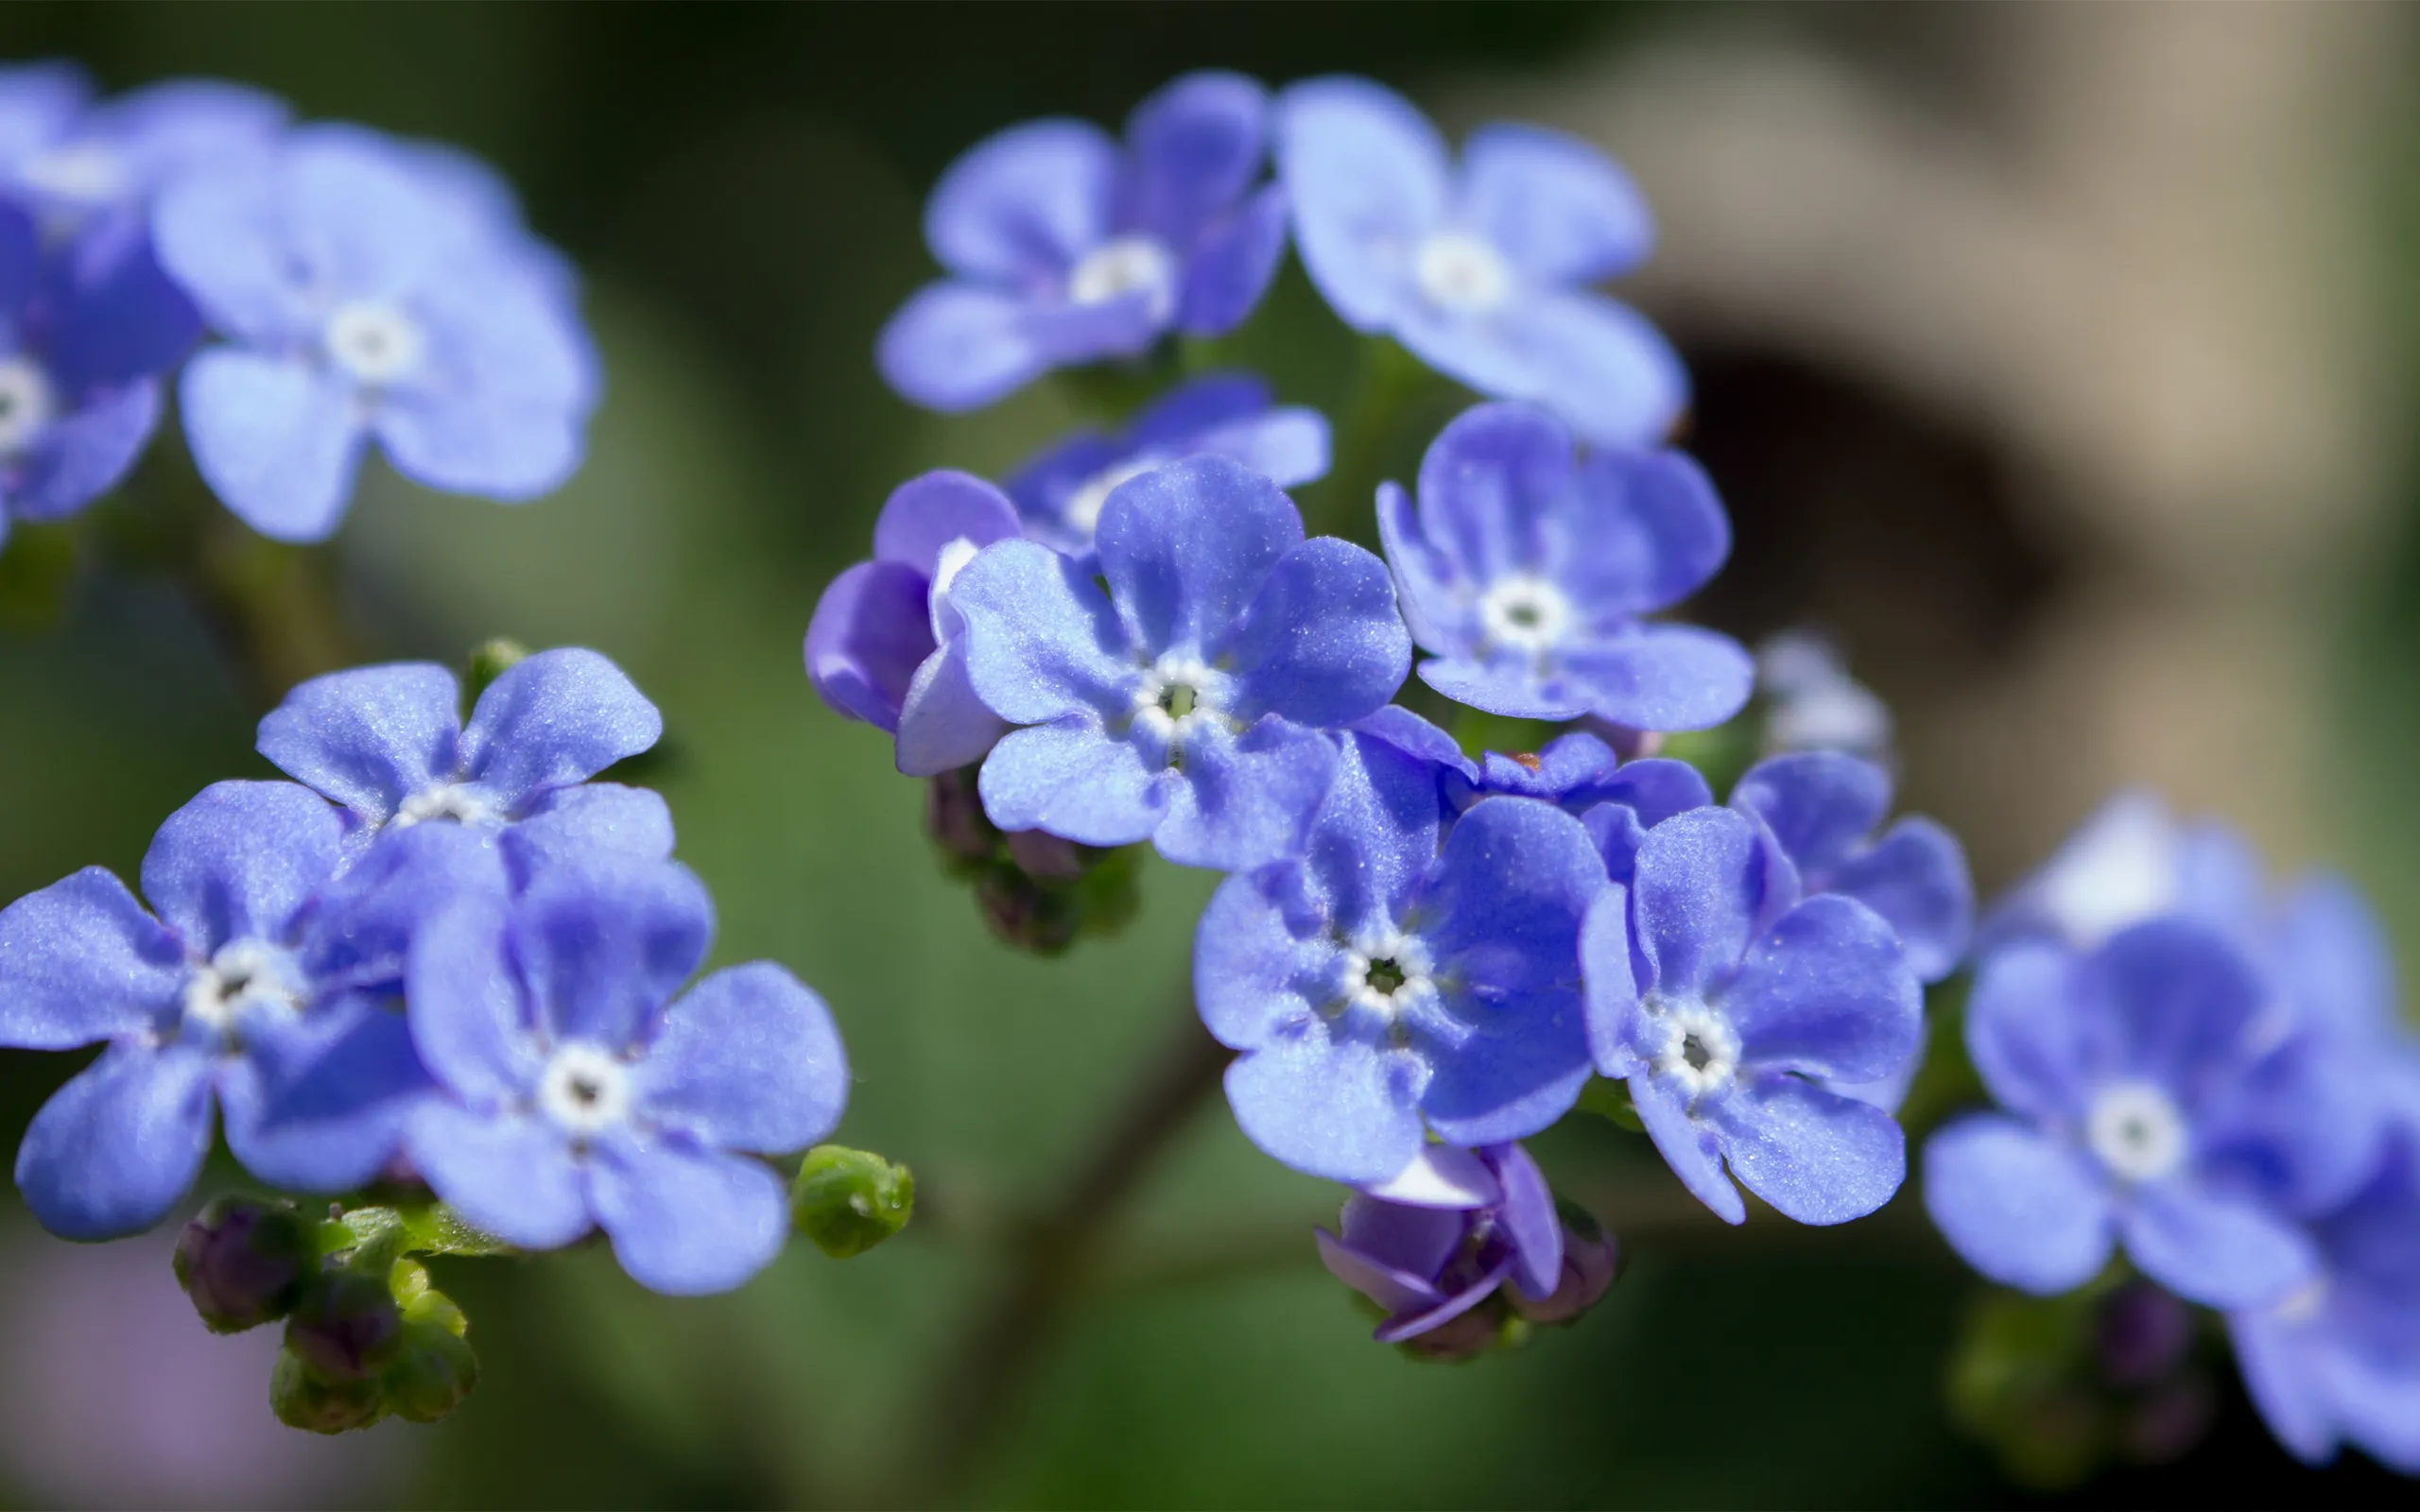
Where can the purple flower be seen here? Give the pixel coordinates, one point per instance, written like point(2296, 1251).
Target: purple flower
point(1526, 569)
point(2338, 1360)
point(582, 1095)
point(1435, 1243)
point(1735, 1011)
point(886, 645)
point(259, 960)
point(1184, 706)
point(1064, 248)
point(388, 743)
point(2144, 1103)
point(1820, 809)
point(1397, 977)
point(1484, 273)
point(1579, 774)
point(1060, 492)
point(369, 291)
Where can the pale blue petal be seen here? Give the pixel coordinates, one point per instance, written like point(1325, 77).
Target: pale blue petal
point(114, 1150)
point(1187, 547)
point(604, 941)
point(81, 961)
point(1687, 1148)
point(1827, 993)
point(2215, 1249)
point(2024, 1210)
point(1663, 676)
point(1812, 1155)
point(1554, 205)
point(687, 1221)
point(1023, 204)
point(277, 440)
point(1366, 176)
point(371, 737)
point(748, 1059)
point(555, 718)
point(1915, 877)
point(1244, 801)
point(2022, 1032)
point(956, 347)
point(1336, 1107)
point(1321, 643)
point(241, 861)
point(1700, 888)
point(1042, 640)
point(507, 1173)
point(1074, 781)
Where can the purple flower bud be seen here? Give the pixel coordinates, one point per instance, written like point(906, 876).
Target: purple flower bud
point(2141, 1333)
point(1026, 914)
point(1591, 1259)
point(346, 1327)
point(1046, 857)
point(303, 1398)
point(242, 1262)
point(953, 816)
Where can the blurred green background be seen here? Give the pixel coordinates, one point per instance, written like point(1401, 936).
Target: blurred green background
point(742, 187)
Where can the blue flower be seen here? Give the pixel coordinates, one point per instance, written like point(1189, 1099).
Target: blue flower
point(388, 743)
point(1579, 774)
point(369, 291)
point(1398, 977)
point(1438, 1240)
point(1062, 248)
point(72, 160)
point(1484, 275)
point(2339, 1360)
point(1060, 492)
point(1735, 1012)
point(259, 959)
point(2147, 1098)
point(81, 351)
point(1185, 705)
point(582, 1095)
point(886, 646)
point(1526, 569)
point(1820, 809)
point(1813, 704)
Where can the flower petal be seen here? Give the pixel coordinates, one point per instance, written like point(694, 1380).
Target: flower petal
point(591, 816)
point(748, 1059)
point(1025, 202)
point(88, 453)
point(1074, 781)
point(1528, 1217)
point(1366, 176)
point(1321, 643)
point(2022, 1030)
point(276, 440)
point(371, 737)
point(1332, 1107)
point(604, 941)
point(1687, 1147)
point(943, 725)
point(1491, 486)
point(509, 1173)
point(1820, 804)
point(1256, 971)
point(956, 347)
point(1915, 877)
point(928, 511)
point(1506, 896)
point(1042, 641)
point(2335, 959)
point(1426, 577)
point(1186, 548)
point(1812, 1155)
point(1663, 677)
point(1700, 890)
point(1394, 1288)
point(2024, 1210)
point(114, 1149)
point(469, 1015)
point(2214, 1249)
point(1611, 987)
point(241, 861)
point(1244, 801)
point(1232, 265)
point(321, 1104)
point(2178, 1001)
point(687, 1221)
point(870, 633)
point(1556, 206)
point(557, 717)
point(1636, 531)
point(79, 962)
point(1194, 146)
point(1828, 992)
point(1598, 364)
point(361, 932)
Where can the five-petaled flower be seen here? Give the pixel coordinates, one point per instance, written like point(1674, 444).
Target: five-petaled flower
point(1185, 705)
point(1064, 249)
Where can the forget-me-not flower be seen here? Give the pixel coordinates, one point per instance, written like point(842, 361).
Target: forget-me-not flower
point(2338, 1360)
point(257, 958)
point(583, 1094)
point(1397, 976)
point(1526, 569)
point(368, 294)
point(1736, 1012)
point(1811, 703)
point(1484, 273)
point(2144, 1102)
point(886, 645)
point(1185, 705)
point(389, 744)
point(72, 159)
point(1618, 801)
point(1063, 246)
point(1434, 1243)
point(1060, 492)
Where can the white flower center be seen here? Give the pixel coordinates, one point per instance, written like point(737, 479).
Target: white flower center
point(26, 405)
point(1700, 1050)
point(1175, 694)
point(375, 343)
point(1083, 512)
point(243, 975)
point(2137, 1131)
point(1524, 614)
point(584, 1090)
point(1461, 274)
point(1130, 264)
point(84, 171)
point(2303, 1303)
point(450, 801)
point(1386, 973)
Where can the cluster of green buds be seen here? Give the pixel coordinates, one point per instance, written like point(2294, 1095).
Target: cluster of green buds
point(367, 1337)
point(1036, 891)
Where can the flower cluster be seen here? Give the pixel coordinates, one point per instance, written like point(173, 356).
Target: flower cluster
point(1421, 957)
point(2212, 1080)
point(440, 953)
point(349, 288)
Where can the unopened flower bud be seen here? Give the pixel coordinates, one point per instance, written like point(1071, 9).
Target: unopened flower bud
point(346, 1326)
point(1045, 857)
point(242, 1262)
point(1029, 914)
point(1477, 1332)
point(433, 1370)
point(1591, 1259)
point(490, 661)
point(2140, 1334)
point(954, 818)
point(303, 1399)
point(847, 1201)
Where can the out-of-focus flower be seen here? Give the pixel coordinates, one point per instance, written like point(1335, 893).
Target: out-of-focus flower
point(1060, 493)
point(1185, 705)
point(1384, 984)
point(886, 645)
point(1528, 569)
point(1484, 273)
point(368, 293)
point(582, 1095)
point(1064, 248)
point(1735, 1011)
point(1811, 703)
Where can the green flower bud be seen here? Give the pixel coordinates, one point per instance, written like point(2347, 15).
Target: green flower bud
point(490, 661)
point(346, 1326)
point(847, 1201)
point(242, 1263)
point(303, 1398)
point(435, 1369)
